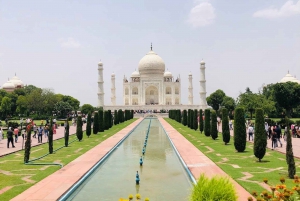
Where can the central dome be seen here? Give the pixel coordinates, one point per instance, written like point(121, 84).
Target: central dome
point(151, 63)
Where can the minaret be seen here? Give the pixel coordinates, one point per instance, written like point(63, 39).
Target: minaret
point(113, 89)
point(100, 85)
point(203, 103)
point(191, 97)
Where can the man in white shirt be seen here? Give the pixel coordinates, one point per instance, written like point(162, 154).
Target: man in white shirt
point(250, 131)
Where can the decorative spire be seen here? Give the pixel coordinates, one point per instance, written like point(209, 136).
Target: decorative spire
point(288, 71)
point(151, 46)
point(15, 74)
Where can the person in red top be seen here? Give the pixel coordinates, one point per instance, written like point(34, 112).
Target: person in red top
point(16, 132)
point(54, 129)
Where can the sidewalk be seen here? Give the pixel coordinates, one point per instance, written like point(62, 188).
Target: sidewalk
point(18, 146)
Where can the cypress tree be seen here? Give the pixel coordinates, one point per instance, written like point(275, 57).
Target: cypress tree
point(289, 152)
point(179, 116)
point(239, 130)
point(214, 129)
point(225, 126)
point(101, 122)
point(207, 122)
point(106, 120)
point(192, 119)
point(116, 120)
point(79, 132)
point(132, 114)
point(110, 123)
point(184, 118)
point(88, 125)
point(201, 121)
point(50, 137)
point(67, 132)
point(188, 117)
point(96, 123)
point(120, 114)
point(27, 144)
point(260, 140)
point(195, 119)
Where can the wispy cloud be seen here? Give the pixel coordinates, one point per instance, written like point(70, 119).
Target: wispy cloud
point(202, 14)
point(288, 9)
point(69, 43)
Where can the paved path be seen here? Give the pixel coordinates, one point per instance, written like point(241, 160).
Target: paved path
point(196, 161)
point(53, 186)
point(18, 146)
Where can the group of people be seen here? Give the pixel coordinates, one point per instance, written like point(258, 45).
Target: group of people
point(274, 133)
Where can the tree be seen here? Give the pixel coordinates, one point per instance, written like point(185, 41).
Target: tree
point(287, 95)
point(289, 152)
point(72, 101)
point(260, 140)
point(96, 123)
point(120, 116)
point(88, 124)
point(184, 119)
point(116, 120)
point(225, 126)
point(207, 122)
point(228, 103)
point(5, 106)
point(27, 144)
point(110, 121)
point(79, 132)
point(67, 133)
point(101, 121)
point(21, 105)
point(87, 108)
point(201, 121)
point(50, 137)
point(195, 119)
point(191, 119)
point(214, 129)
point(106, 119)
point(239, 130)
point(62, 108)
point(215, 99)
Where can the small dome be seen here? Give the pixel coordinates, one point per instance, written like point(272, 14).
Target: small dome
point(151, 63)
point(135, 74)
point(17, 82)
point(190, 74)
point(202, 62)
point(113, 74)
point(8, 85)
point(100, 63)
point(168, 74)
point(289, 78)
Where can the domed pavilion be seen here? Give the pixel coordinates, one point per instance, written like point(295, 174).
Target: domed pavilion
point(12, 84)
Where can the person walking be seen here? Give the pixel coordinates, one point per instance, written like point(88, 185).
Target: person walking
point(34, 130)
point(16, 132)
point(10, 137)
point(40, 134)
point(273, 138)
point(250, 131)
point(46, 130)
point(278, 135)
point(24, 134)
point(1, 134)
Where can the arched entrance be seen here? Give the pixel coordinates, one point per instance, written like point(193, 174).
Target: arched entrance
point(151, 96)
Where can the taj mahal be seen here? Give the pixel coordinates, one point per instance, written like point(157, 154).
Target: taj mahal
point(152, 87)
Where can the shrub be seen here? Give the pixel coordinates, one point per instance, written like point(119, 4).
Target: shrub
point(225, 126)
point(88, 125)
point(120, 116)
point(216, 188)
point(214, 129)
point(79, 132)
point(184, 118)
point(201, 121)
point(260, 140)
point(239, 130)
point(50, 137)
point(96, 123)
point(101, 122)
point(188, 117)
point(110, 121)
point(207, 122)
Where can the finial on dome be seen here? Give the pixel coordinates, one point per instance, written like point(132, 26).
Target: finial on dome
point(151, 46)
point(288, 71)
point(15, 74)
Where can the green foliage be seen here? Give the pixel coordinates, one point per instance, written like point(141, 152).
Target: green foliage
point(5, 106)
point(110, 121)
point(50, 137)
point(120, 116)
point(191, 117)
point(184, 118)
point(201, 121)
point(87, 108)
point(79, 132)
point(27, 145)
point(62, 108)
point(260, 140)
point(215, 189)
point(215, 99)
point(239, 130)
point(289, 153)
point(195, 119)
point(225, 126)
point(67, 133)
point(228, 103)
point(116, 120)
point(106, 120)
point(88, 124)
point(214, 129)
point(96, 123)
point(207, 122)
point(101, 121)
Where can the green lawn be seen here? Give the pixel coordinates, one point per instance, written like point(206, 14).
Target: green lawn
point(16, 172)
point(272, 167)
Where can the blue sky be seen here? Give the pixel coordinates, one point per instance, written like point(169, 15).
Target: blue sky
point(57, 44)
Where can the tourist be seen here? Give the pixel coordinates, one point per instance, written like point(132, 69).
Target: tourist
point(34, 130)
point(273, 138)
point(250, 132)
point(40, 134)
point(270, 132)
point(285, 133)
point(10, 137)
point(24, 135)
point(278, 133)
point(54, 129)
point(1, 134)
point(266, 129)
point(230, 124)
point(46, 130)
point(16, 132)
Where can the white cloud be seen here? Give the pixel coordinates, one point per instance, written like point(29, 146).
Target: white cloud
point(288, 9)
point(202, 14)
point(69, 43)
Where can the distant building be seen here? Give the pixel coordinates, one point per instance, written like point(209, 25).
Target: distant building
point(12, 84)
point(289, 78)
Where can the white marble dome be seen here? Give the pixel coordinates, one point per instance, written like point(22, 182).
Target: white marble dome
point(135, 74)
point(17, 82)
point(289, 78)
point(151, 63)
point(168, 74)
point(8, 85)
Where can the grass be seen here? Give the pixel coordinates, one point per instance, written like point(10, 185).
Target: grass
point(13, 163)
point(272, 167)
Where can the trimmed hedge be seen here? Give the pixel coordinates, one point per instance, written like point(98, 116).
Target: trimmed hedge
point(225, 126)
point(260, 140)
point(207, 122)
point(214, 129)
point(239, 130)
